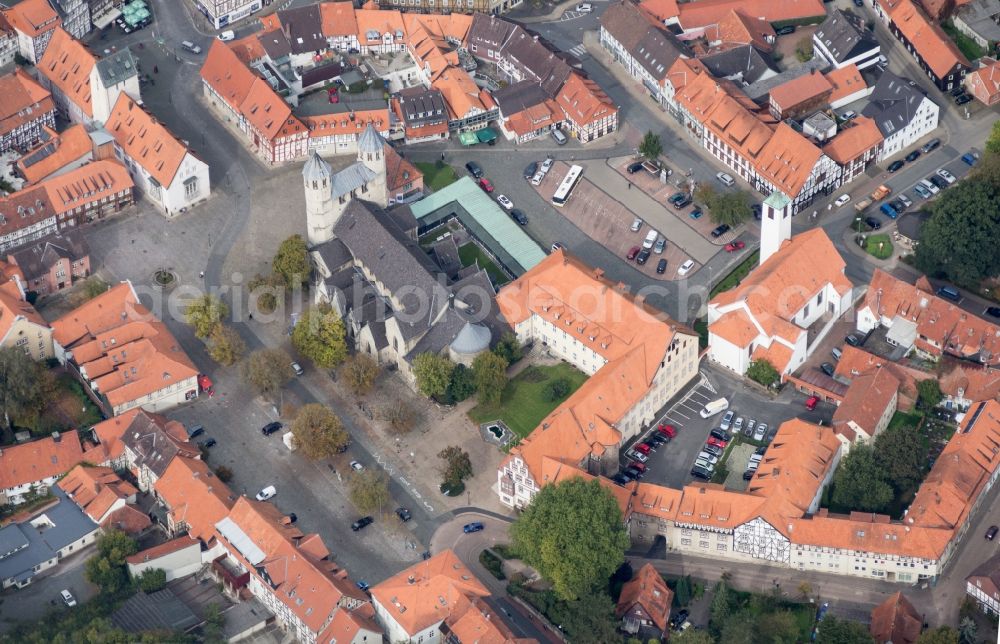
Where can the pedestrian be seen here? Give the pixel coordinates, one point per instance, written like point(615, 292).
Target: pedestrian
point(629, 185)
point(201, 274)
point(156, 69)
point(251, 315)
point(442, 156)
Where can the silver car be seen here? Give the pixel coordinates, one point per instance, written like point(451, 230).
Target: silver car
point(738, 425)
point(660, 245)
point(761, 432)
point(727, 420)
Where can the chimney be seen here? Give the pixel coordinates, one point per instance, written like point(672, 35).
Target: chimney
point(411, 579)
point(56, 437)
point(598, 273)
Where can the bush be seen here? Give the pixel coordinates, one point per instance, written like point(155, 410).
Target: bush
point(152, 580)
point(492, 563)
point(505, 551)
point(557, 390)
point(461, 386)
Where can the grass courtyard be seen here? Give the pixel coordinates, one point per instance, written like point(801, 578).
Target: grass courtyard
point(878, 246)
point(436, 176)
point(737, 274)
point(471, 253)
point(524, 402)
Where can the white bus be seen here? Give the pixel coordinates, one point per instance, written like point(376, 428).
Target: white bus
point(566, 187)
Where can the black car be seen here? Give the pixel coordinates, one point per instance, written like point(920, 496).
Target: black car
point(963, 99)
point(474, 169)
point(701, 473)
point(530, 170)
point(620, 479)
point(683, 202)
point(827, 368)
point(760, 450)
point(208, 443)
point(852, 340)
point(784, 31)
point(913, 156)
point(634, 167)
point(658, 439)
point(679, 618)
point(898, 205)
point(403, 514)
point(958, 91)
point(292, 517)
point(519, 217)
point(756, 211)
point(859, 3)
point(873, 223)
point(720, 230)
point(930, 145)
point(721, 434)
point(938, 181)
point(993, 311)
point(771, 433)
point(633, 472)
point(642, 256)
point(896, 165)
point(361, 523)
point(677, 197)
point(270, 428)
point(748, 475)
point(661, 267)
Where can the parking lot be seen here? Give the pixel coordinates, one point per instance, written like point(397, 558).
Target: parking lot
point(670, 464)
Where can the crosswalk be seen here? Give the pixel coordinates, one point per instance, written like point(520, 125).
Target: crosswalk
point(579, 51)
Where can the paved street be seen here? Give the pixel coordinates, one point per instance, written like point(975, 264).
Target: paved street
point(42, 595)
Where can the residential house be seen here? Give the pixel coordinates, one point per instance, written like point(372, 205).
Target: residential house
point(984, 83)
point(195, 498)
point(53, 262)
point(177, 558)
point(525, 111)
point(21, 326)
point(869, 405)
point(437, 600)
point(165, 169)
point(637, 362)
point(848, 86)
point(695, 17)
point(380, 32)
point(469, 106)
point(644, 603)
point(222, 13)
point(963, 383)
point(896, 621)
point(916, 319)
point(423, 113)
point(92, 191)
point(488, 7)
point(800, 96)
point(56, 153)
point(843, 39)
point(31, 468)
point(855, 361)
point(40, 542)
point(746, 66)
point(34, 21)
point(644, 47)
point(75, 15)
point(338, 132)
point(101, 494)
point(983, 585)
point(855, 148)
point(27, 109)
point(903, 113)
point(783, 309)
point(736, 27)
point(589, 112)
point(149, 445)
point(124, 355)
point(929, 45)
point(980, 21)
point(340, 25)
point(26, 215)
point(8, 42)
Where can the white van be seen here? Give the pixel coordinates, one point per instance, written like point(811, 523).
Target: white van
point(725, 178)
point(584, 7)
point(715, 407)
point(559, 137)
point(227, 35)
point(651, 237)
point(191, 47)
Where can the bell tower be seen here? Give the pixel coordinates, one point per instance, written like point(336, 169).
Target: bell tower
point(321, 212)
point(775, 224)
point(371, 154)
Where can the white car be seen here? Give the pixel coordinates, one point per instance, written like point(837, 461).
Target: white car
point(228, 35)
point(356, 466)
point(537, 179)
point(67, 597)
point(727, 420)
point(505, 202)
point(906, 201)
point(848, 115)
point(297, 368)
point(637, 456)
point(584, 7)
point(930, 186)
point(266, 493)
point(841, 200)
point(685, 268)
point(947, 176)
point(546, 165)
point(636, 225)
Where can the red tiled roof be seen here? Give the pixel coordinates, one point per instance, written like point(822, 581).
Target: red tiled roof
point(933, 45)
point(67, 64)
point(647, 593)
point(39, 459)
point(24, 101)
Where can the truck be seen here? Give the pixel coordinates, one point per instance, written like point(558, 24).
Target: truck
point(880, 193)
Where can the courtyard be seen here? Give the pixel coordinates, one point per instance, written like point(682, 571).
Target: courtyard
point(530, 396)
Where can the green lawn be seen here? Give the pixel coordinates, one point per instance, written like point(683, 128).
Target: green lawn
point(522, 404)
point(737, 274)
point(902, 418)
point(470, 253)
point(879, 246)
point(436, 177)
point(967, 45)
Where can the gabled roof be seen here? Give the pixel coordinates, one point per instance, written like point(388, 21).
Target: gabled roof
point(845, 81)
point(399, 172)
point(893, 103)
point(87, 184)
point(583, 101)
point(67, 64)
point(24, 101)
point(798, 90)
point(645, 39)
point(986, 77)
point(702, 13)
point(933, 45)
point(24, 208)
point(795, 465)
point(852, 142)
point(226, 74)
point(194, 496)
point(14, 307)
point(155, 442)
point(161, 550)
point(54, 152)
point(32, 17)
point(867, 398)
point(737, 27)
point(648, 592)
point(844, 35)
point(896, 620)
point(986, 576)
point(37, 258)
point(788, 159)
point(96, 490)
point(40, 459)
point(145, 140)
point(338, 19)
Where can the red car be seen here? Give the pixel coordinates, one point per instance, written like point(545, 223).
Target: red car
point(715, 442)
point(732, 247)
point(485, 184)
point(632, 252)
point(811, 402)
point(668, 430)
point(642, 448)
point(334, 96)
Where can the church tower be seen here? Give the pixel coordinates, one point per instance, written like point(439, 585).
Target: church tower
point(371, 153)
point(775, 224)
point(321, 214)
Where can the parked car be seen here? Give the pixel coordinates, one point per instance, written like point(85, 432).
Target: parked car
point(931, 145)
point(757, 210)
point(970, 158)
point(898, 205)
point(963, 99)
point(751, 424)
point(949, 293)
point(771, 433)
point(993, 311)
point(297, 368)
point(992, 532)
point(841, 200)
point(747, 475)
point(923, 192)
point(710, 458)
point(356, 466)
point(67, 598)
point(661, 267)
point(584, 7)
point(714, 450)
point(727, 420)
point(227, 35)
point(485, 184)
point(760, 432)
point(637, 456)
point(734, 246)
point(634, 167)
point(474, 169)
point(475, 526)
point(938, 181)
point(852, 340)
point(547, 164)
point(211, 442)
point(685, 268)
point(642, 257)
point(643, 448)
point(738, 425)
point(361, 523)
point(519, 217)
point(725, 179)
point(958, 91)
point(362, 585)
point(632, 252)
point(190, 46)
point(848, 115)
point(266, 493)
point(720, 230)
point(682, 203)
point(660, 245)
point(827, 368)
point(638, 467)
point(896, 165)
point(695, 213)
point(679, 618)
point(636, 225)
point(721, 434)
point(270, 428)
point(505, 202)
point(913, 156)
point(947, 176)
point(403, 514)
point(873, 223)
point(669, 430)
point(700, 473)
point(530, 170)
point(811, 402)
point(656, 439)
point(784, 31)
point(906, 201)
point(621, 479)
point(715, 443)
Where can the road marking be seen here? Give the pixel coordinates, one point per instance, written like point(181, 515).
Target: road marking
point(684, 416)
point(579, 50)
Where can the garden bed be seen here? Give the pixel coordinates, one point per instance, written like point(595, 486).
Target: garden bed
point(878, 246)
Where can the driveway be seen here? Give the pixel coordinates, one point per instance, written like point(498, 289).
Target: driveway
point(41, 597)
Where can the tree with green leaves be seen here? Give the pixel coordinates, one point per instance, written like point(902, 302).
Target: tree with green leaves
point(433, 373)
point(730, 208)
point(899, 452)
point(804, 49)
point(993, 142)
point(206, 314)
point(939, 635)
point(265, 290)
point(267, 370)
point(509, 348)
point(573, 535)
point(860, 483)
point(929, 393)
point(968, 632)
point(319, 335)
point(777, 626)
point(682, 591)
point(959, 239)
point(152, 580)
point(763, 372)
point(107, 567)
point(692, 636)
point(739, 629)
point(89, 289)
point(490, 374)
point(457, 465)
point(834, 630)
point(226, 346)
point(590, 619)
point(26, 386)
point(370, 491)
point(723, 605)
point(461, 385)
point(360, 371)
point(318, 432)
point(291, 262)
point(650, 147)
